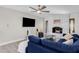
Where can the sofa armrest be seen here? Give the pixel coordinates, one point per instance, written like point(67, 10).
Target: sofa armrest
point(34, 39)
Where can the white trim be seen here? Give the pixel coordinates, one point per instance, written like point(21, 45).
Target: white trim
point(12, 41)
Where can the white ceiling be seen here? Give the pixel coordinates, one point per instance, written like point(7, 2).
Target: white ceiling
point(54, 9)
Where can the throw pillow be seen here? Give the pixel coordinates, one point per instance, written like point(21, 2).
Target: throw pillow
point(68, 42)
point(68, 36)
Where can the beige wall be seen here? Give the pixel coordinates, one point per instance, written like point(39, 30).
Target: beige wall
point(11, 25)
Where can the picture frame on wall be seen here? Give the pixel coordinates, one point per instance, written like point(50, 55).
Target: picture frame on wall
point(57, 21)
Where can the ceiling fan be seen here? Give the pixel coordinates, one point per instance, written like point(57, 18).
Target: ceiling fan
point(40, 9)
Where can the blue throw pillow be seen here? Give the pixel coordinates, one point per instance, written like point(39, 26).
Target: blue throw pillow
point(76, 35)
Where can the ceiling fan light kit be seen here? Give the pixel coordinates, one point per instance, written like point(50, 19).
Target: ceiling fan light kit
point(39, 12)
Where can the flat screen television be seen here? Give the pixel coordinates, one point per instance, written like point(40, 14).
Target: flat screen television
point(28, 22)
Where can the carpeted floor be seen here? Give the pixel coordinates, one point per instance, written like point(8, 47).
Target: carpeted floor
point(10, 48)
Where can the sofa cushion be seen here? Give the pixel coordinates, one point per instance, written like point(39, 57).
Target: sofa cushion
point(76, 43)
point(75, 39)
point(58, 46)
point(34, 39)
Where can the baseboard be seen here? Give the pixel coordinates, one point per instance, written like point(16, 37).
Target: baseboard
point(12, 41)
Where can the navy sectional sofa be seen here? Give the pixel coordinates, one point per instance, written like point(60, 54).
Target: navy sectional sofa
point(37, 45)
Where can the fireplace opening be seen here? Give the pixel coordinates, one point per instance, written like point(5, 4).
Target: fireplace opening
point(56, 30)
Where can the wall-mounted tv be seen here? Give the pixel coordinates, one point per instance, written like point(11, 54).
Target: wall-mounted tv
point(28, 22)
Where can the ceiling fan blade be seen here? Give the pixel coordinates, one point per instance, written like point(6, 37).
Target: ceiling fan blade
point(33, 8)
point(46, 11)
point(43, 7)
